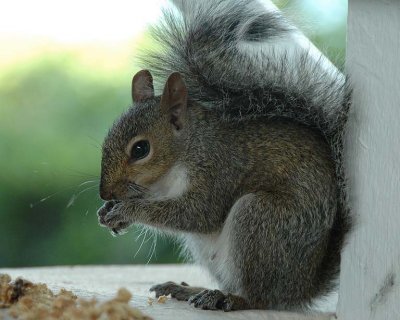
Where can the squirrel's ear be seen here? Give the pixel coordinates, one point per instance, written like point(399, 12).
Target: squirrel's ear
point(142, 86)
point(174, 100)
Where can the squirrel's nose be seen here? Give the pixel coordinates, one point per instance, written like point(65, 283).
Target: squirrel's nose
point(105, 193)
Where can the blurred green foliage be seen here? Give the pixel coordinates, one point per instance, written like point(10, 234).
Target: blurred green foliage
point(54, 113)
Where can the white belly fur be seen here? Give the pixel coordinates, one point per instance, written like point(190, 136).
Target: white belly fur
point(214, 252)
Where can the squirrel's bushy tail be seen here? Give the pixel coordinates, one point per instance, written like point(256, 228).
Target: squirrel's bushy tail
point(238, 57)
point(242, 59)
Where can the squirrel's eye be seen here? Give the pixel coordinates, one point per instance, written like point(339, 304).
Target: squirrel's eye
point(140, 150)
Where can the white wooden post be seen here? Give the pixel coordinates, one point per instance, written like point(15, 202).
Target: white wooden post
point(370, 272)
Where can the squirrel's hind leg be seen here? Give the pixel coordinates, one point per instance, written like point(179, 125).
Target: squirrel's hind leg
point(276, 245)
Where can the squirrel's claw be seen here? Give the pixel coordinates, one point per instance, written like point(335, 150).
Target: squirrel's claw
point(217, 300)
point(111, 217)
point(164, 289)
point(180, 292)
point(208, 300)
point(104, 210)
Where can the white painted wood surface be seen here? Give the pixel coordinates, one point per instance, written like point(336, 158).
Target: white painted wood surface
point(102, 282)
point(370, 276)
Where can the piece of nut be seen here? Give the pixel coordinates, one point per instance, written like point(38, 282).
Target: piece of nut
point(150, 301)
point(162, 299)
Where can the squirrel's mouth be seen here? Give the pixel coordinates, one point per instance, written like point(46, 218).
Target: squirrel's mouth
point(135, 190)
point(122, 190)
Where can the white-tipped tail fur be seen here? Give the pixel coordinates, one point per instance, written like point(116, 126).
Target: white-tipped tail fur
point(288, 44)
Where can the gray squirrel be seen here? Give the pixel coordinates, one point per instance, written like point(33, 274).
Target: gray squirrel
point(240, 156)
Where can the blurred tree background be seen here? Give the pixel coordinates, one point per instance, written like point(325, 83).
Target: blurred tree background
point(59, 93)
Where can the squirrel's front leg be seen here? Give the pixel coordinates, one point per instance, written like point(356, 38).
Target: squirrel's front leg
point(187, 213)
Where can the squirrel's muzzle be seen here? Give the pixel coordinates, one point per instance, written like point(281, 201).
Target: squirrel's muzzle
point(106, 193)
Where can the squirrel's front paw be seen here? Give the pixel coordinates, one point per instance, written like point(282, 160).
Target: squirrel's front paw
point(111, 216)
point(104, 209)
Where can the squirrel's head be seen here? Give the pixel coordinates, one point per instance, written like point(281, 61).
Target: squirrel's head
point(143, 145)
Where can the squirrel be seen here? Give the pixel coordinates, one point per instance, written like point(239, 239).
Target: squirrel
point(240, 156)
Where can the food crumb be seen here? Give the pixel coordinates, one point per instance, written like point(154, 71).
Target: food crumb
point(123, 295)
point(162, 299)
point(28, 301)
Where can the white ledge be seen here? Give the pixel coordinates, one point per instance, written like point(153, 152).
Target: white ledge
point(102, 282)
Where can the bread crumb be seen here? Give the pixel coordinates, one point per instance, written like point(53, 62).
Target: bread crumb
point(123, 295)
point(29, 301)
point(150, 301)
point(162, 299)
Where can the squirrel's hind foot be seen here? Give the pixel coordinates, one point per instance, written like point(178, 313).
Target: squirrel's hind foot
point(217, 300)
point(201, 298)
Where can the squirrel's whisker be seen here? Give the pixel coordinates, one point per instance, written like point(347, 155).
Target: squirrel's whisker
point(83, 174)
point(143, 241)
point(89, 181)
point(51, 196)
point(153, 247)
point(75, 197)
point(142, 229)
